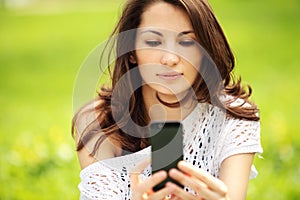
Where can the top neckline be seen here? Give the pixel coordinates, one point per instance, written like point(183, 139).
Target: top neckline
point(146, 151)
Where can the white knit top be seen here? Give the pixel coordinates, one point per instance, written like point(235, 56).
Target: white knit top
point(209, 138)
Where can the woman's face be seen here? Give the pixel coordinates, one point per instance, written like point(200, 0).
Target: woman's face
point(167, 53)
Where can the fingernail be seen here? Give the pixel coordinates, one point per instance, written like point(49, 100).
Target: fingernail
point(171, 186)
point(183, 163)
point(162, 173)
point(173, 172)
point(171, 189)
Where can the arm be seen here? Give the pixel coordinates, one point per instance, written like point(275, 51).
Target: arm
point(143, 190)
point(233, 182)
point(106, 150)
point(234, 172)
point(94, 179)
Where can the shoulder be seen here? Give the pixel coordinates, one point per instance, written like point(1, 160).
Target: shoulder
point(107, 148)
point(239, 136)
point(83, 117)
point(88, 133)
point(233, 101)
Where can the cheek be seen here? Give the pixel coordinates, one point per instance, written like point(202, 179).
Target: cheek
point(147, 56)
point(196, 61)
point(192, 55)
point(147, 61)
point(193, 73)
point(147, 73)
point(192, 68)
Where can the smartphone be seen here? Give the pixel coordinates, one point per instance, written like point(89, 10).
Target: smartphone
point(166, 140)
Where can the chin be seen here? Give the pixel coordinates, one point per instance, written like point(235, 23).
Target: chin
point(170, 91)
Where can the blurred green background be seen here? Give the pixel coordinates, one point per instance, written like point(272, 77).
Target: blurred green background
point(43, 43)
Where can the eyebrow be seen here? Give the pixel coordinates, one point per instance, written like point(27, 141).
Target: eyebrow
point(152, 31)
point(185, 33)
point(160, 34)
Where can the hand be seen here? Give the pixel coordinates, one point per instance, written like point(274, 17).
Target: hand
point(205, 185)
point(143, 190)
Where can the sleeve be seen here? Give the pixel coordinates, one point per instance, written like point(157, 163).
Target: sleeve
point(99, 182)
point(241, 136)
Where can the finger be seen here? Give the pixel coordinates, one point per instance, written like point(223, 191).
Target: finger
point(198, 186)
point(150, 182)
point(161, 194)
point(137, 170)
point(145, 187)
point(201, 189)
point(212, 182)
point(179, 192)
point(186, 179)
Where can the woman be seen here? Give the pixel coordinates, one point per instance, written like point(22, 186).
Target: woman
point(162, 72)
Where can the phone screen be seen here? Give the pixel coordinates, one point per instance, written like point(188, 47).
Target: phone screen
point(167, 149)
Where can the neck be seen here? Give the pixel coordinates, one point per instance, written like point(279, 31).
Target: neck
point(160, 112)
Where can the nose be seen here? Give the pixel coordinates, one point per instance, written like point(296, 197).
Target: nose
point(169, 59)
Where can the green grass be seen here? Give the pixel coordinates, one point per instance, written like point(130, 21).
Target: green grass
point(265, 39)
point(43, 46)
point(40, 54)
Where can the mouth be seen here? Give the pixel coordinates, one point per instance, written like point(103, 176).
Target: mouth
point(169, 75)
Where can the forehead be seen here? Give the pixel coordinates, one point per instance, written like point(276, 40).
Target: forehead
point(165, 16)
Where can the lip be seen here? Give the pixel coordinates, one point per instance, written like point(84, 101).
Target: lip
point(169, 75)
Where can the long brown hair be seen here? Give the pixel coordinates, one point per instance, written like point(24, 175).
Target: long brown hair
point(116, 125)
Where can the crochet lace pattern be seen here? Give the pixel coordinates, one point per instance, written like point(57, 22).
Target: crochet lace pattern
point(209, 137)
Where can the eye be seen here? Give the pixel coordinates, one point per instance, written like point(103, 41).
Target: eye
point(187, 43)
point(153, 43)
